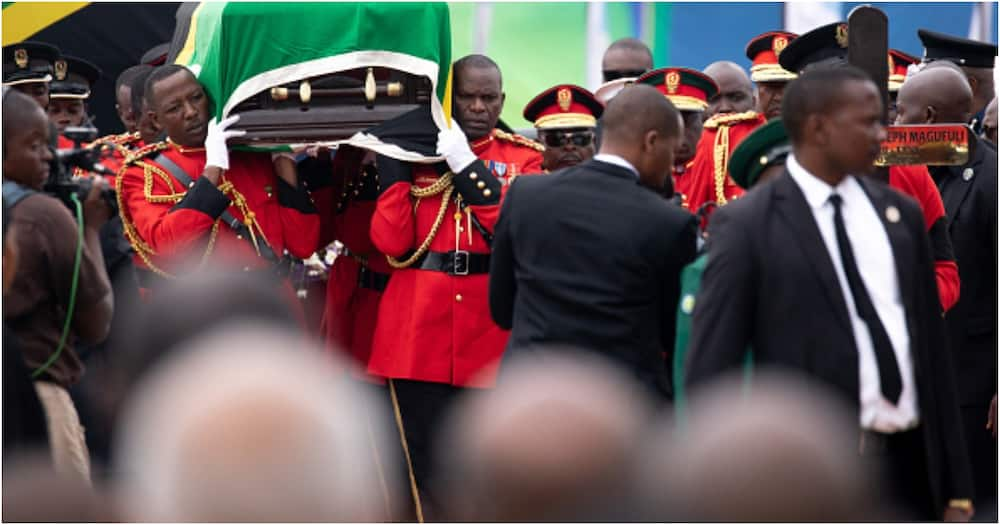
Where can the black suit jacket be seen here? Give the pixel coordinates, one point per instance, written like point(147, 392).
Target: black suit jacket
point(971, 206)
point(770, 283)
point(588, 257)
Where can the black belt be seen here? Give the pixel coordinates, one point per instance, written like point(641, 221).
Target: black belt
point(454, 263)
point(372, 280)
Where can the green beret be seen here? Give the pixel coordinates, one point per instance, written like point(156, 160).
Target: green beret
point(766, 146)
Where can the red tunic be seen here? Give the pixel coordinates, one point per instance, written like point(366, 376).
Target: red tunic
point(433, 326)
point(171, 223)
point(707, 179)
point(916, 182)
point(114, 149)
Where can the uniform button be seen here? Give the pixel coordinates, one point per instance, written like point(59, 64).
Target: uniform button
point(487, 192)
point(191, 184)
point(458, 297)
point(480, 184)
point(473, 176)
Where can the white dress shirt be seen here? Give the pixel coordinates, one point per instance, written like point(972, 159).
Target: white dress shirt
point(618, 161)
point(873, 255)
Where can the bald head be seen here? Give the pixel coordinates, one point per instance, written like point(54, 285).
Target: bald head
point(937, 95)
point(643, 127)
point(735, 89)
point(626, 57)
point(551, 443)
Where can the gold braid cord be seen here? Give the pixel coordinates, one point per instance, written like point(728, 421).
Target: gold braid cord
point(722, 123)
point(442, 185)
point(721, 158)
point(149, 171)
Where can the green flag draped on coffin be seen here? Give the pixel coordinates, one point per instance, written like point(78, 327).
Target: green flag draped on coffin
point(303, 73)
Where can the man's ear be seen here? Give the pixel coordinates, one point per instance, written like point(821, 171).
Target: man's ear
point(649, 140)
point(930, 115)
point(815, 126)
point(973, 82)
point(503, 98)
point(152, 117)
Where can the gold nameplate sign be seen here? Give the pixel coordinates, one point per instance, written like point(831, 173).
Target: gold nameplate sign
point(929, 145)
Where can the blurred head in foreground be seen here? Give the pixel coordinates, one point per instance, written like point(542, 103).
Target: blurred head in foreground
point(248, 423)
point(552, 442)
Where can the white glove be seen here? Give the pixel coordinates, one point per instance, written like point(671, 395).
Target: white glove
point(453, 145)
point(216, 151)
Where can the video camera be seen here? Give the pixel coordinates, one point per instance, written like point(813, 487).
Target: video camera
point(62, 184)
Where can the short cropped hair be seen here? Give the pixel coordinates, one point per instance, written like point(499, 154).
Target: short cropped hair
point(158, 74)
point(815, 91)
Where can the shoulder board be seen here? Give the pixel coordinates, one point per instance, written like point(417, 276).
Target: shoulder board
point(729, 119)
point(145, 151)
point(519, 140)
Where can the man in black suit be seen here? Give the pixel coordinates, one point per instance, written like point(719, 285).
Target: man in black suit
point(832, 275)
point(942, 95)
point(591, 256)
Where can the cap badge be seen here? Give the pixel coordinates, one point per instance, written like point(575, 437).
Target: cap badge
point(564, 97)
point(892, 214)
point(21, 57)
point(673, 80)
point(842, 35)
point(779, 44)
point(60, 66)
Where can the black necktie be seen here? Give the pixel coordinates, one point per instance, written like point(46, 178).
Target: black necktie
point(888, 369)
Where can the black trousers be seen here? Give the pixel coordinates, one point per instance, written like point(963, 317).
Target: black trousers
point(902, 462)
point(424, 407)
point(982, 449)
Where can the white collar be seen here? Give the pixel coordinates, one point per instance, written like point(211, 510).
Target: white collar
point(617, 161)
point(816, 191)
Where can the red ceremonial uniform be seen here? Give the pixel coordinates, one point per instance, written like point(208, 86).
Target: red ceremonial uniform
point(167, 223)
point(433, 326)
point(916, 182)
point(114, 150)
point(707, 179)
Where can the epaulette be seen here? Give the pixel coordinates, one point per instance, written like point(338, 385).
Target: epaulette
point(145, 151)
point(728, 119)
point(519, 139)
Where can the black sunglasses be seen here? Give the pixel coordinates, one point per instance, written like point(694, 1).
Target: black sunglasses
point(611, 74)
point(580, 139)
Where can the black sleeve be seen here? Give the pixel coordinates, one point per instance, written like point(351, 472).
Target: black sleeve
point(477, 185)
point(721, 326)
point(316, 172)
point(682, 251)
point(204, 197)
point(391, 171)
point(940, 240)
point(932, 331)
point(503, 286)
point(296, 198)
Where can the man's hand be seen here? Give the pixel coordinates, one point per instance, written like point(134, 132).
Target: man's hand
point(454, 146)
point(96, 210)
point(991, 417)
point(216, 151)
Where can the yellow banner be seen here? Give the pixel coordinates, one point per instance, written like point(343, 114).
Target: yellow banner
point(23, 19)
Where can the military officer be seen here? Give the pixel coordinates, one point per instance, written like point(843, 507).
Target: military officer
point(69, 91)
point(976, 60)
point(27, 67)
point(434, 336)
point(566, 119)
point(187, 201)
point(827, 46)
point(763, 51)
point(759, 157)
point(701, 179)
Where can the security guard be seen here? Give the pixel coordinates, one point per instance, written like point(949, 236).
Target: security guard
point(69, 91)
point(827, 45)
point(27, 67)
point(566, 119)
